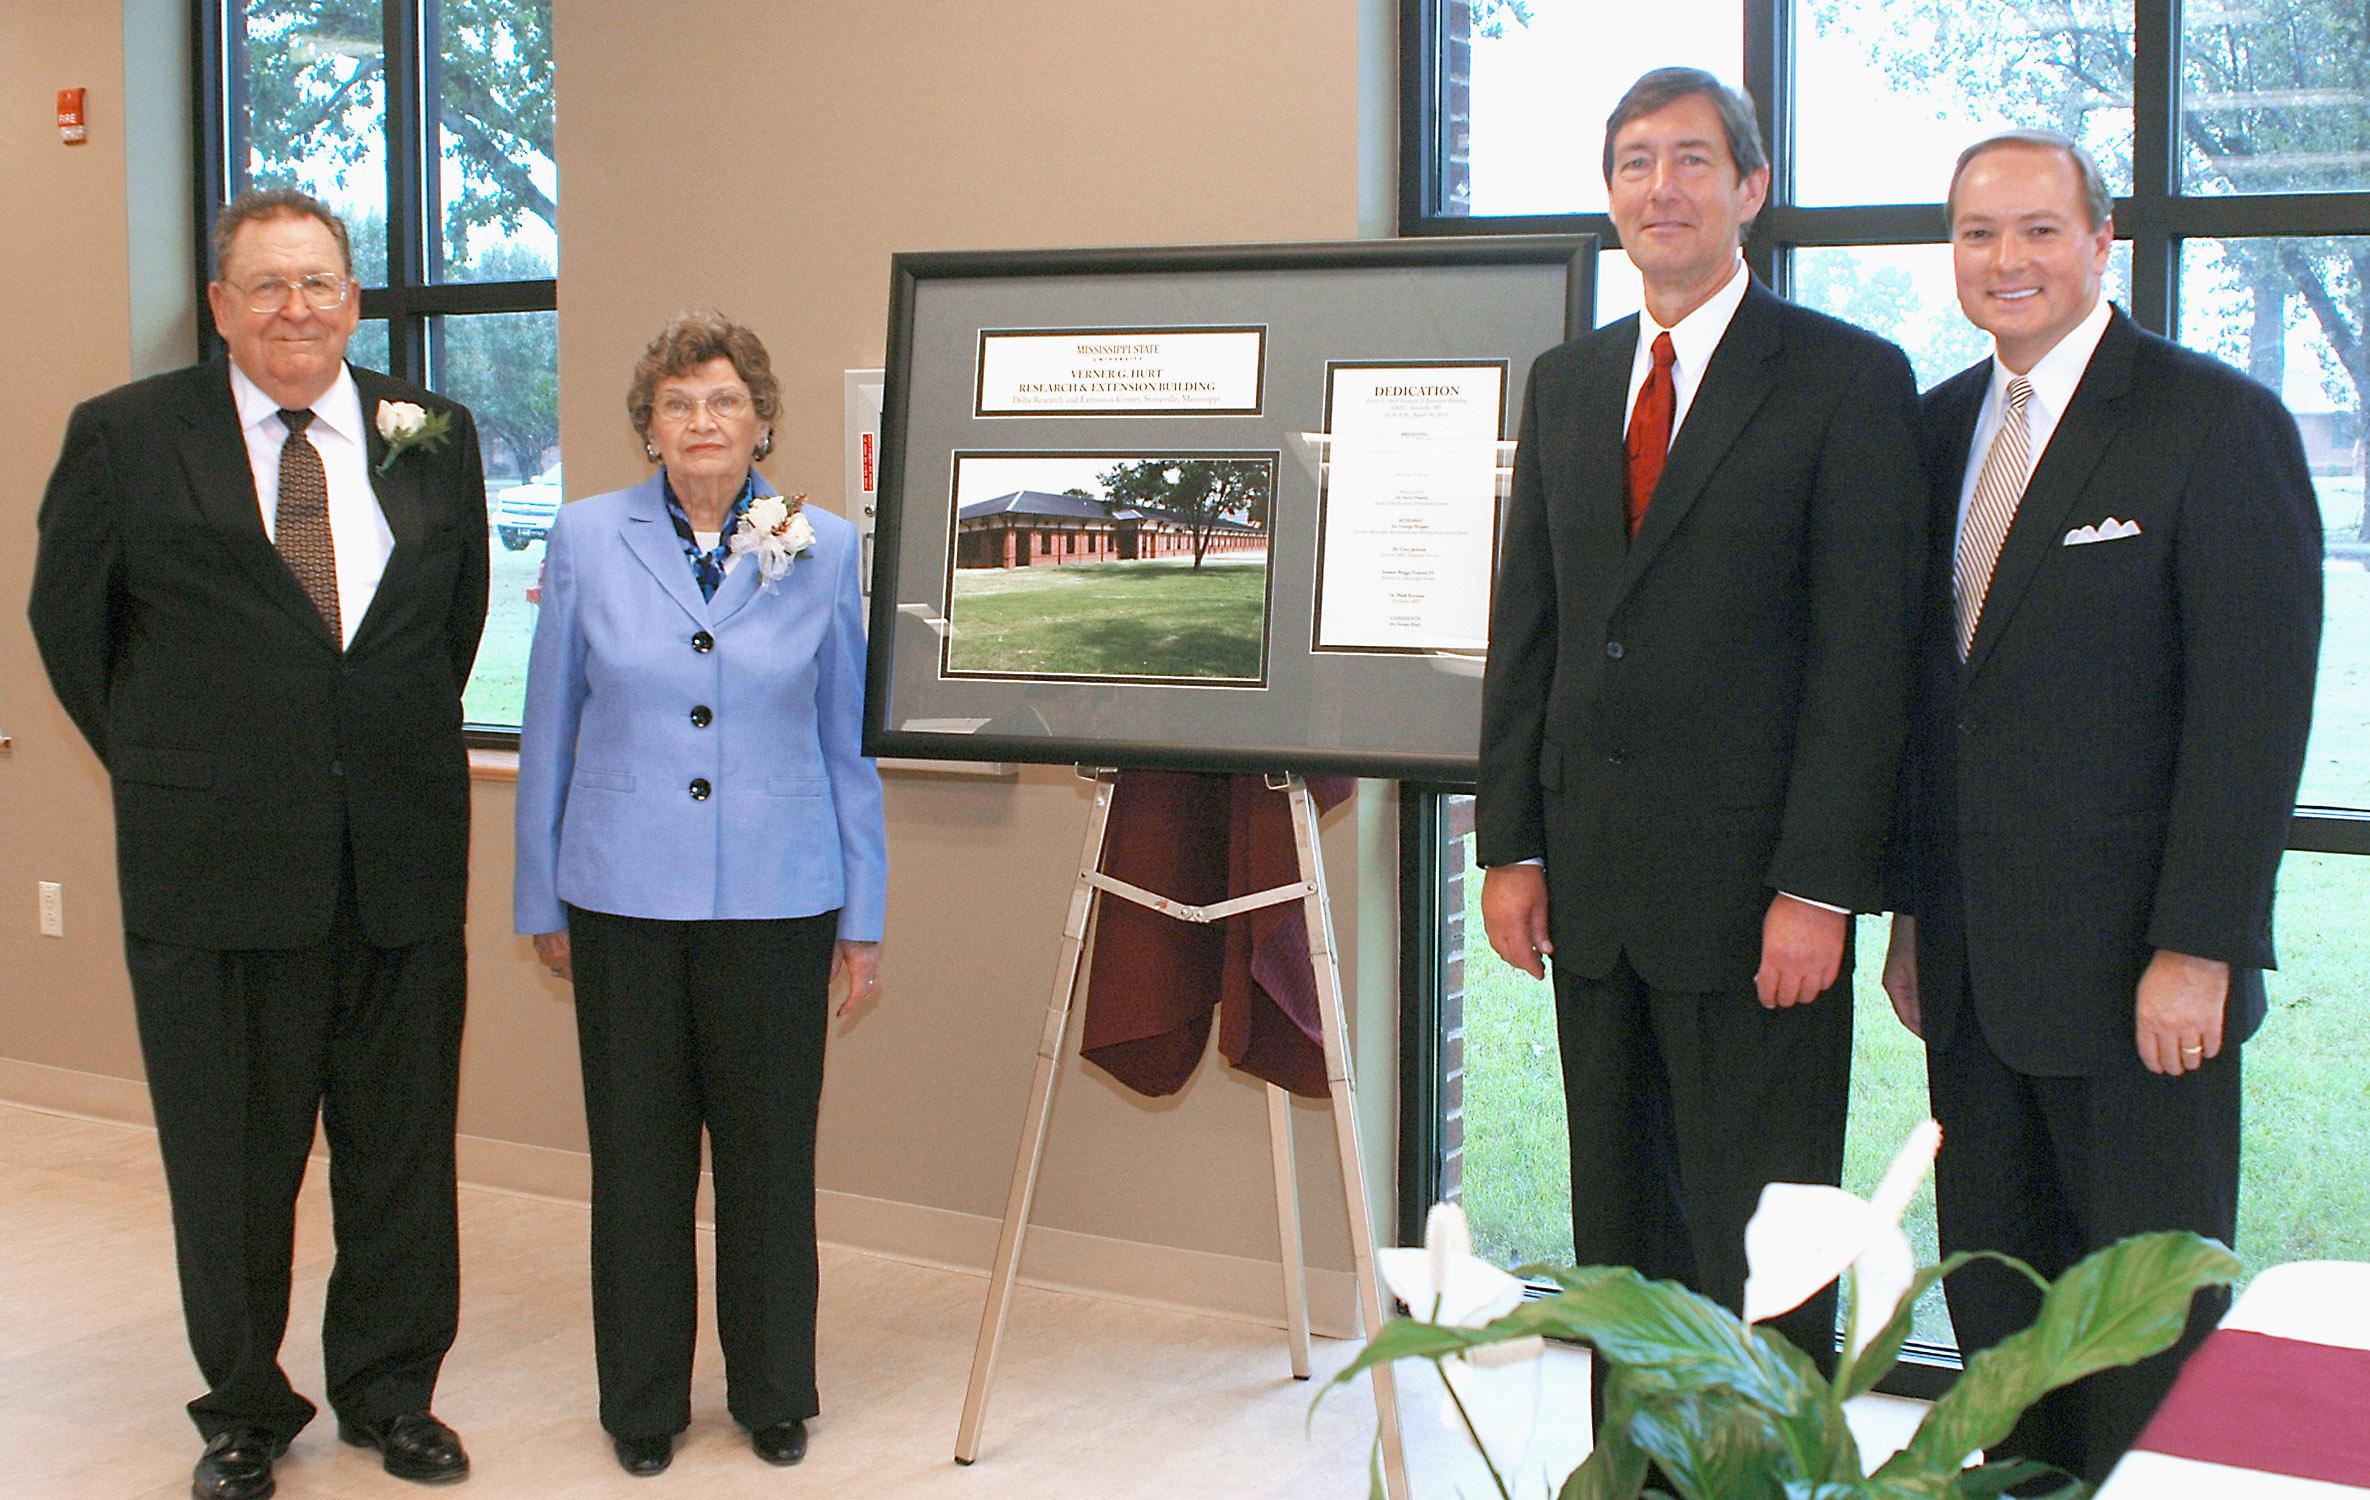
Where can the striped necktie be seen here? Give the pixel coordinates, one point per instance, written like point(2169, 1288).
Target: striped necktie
point(1997, 490)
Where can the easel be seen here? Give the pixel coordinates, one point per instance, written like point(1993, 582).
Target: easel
point(1309, 889)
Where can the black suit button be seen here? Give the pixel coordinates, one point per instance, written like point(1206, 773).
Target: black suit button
point(337, 768)
point(1966, 726)
point(702, 642)
point(701, 718)
point(700, 788)
point(1616, 757)
point(1613, 649)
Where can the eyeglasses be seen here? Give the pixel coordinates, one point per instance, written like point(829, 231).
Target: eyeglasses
point(320, 293)
point(724, 406)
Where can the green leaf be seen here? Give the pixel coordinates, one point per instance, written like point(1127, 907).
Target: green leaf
point(1996, 1479)
point(2118, 1306)
point(1884, 1350)
point(1807, 1423)
point(1911, 1487)
point(1660, 1333)
point(1710, 1446)
point(1615, 1468)
point(1408, 1338)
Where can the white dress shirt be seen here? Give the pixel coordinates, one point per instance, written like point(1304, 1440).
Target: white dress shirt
point(1693, 342)
point(357, 527)
point(2054, 377)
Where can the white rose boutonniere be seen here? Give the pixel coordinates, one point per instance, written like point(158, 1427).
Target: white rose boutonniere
point(407, 425)
point(777, 530)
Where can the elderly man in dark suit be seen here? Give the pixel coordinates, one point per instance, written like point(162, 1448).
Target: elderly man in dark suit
point(2114, 686)
point(1695, 704)
point(259, 588)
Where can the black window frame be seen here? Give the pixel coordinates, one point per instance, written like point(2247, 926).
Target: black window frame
point(2155, 218)
point(411, 304)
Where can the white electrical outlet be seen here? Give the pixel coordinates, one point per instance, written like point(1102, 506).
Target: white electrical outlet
point(53, 909)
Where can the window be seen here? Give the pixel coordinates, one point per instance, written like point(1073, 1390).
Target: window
point(2243, 206)
point(427, 125)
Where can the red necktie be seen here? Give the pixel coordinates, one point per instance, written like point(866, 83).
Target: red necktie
point(1650, 430)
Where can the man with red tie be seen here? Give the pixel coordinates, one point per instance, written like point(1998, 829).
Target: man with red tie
point(1695, 704)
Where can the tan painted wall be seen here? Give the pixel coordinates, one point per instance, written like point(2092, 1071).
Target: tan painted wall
point(768, 157)
point(67, 323)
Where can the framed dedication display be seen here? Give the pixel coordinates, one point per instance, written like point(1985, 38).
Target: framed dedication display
point(1222, 508)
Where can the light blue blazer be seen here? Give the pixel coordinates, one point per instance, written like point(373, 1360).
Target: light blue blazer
point(612, 744)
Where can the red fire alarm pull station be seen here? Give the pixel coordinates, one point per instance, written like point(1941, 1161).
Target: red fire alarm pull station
point(71, 130)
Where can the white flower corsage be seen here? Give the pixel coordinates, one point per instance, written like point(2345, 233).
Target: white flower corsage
point(407, 425)
point(778, 531)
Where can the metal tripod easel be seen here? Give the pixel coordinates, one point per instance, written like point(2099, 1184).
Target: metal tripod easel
point(1092, 885)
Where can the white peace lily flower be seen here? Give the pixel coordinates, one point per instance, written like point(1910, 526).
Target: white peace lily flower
point(1802, 1237)
point(778, 531)
point(1497, 1385)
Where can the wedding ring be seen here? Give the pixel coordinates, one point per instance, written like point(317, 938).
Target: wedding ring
point(2193, 1051)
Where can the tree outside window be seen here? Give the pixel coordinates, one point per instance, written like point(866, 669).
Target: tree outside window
point(427, 124)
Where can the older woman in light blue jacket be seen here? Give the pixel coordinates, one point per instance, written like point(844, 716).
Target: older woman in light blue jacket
point(701, 847)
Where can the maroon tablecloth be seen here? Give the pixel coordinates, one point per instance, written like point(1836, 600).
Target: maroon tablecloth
point(1155, 982)
point(2284, 1406)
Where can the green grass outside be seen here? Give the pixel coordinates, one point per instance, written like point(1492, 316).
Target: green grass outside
point(2337, 760)
point(1161, 618)
point(2304, 1193)
point(497, 690)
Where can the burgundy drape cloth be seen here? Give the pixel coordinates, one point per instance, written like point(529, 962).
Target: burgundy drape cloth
point(1154, 981)
point(2255, 1401)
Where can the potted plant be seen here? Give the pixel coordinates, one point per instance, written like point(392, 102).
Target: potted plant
point(1731, 1411)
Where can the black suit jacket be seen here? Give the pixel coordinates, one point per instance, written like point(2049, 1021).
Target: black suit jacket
point(1686, 723)
point(2113, 768)
point(245, 746)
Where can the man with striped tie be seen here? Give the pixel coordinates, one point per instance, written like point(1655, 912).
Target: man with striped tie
point(258, 591)
point(2115, 682)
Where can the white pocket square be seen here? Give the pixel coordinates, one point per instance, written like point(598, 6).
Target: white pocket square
point(2108, 530)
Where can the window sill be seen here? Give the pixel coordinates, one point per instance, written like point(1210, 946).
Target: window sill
point(489, 764)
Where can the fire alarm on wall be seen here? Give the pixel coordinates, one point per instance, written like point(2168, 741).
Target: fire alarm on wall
point(71, 130)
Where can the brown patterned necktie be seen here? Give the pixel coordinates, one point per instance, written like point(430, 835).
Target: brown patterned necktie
point(301, 531)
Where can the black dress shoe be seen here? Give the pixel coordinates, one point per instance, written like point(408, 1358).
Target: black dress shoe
point(415, 1446)
point(645, 1456)
point(782, 1443)
point(237, 1465)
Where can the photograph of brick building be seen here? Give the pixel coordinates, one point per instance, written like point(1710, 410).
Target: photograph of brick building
point(1117, 566)
point(1032, 529)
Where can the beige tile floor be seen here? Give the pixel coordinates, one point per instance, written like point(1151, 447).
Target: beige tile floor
point(1093, 1397)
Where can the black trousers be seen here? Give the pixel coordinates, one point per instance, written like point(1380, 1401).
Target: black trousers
point(244, 1049)
point(685, 1025)
point(2050, 1169)
point(1682, 1105)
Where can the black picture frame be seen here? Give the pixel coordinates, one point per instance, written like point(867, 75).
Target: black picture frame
point(1405, 715)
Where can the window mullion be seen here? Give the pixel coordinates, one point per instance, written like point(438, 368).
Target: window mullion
point(400, 34)
point(429, 116)
point(2152, 213)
